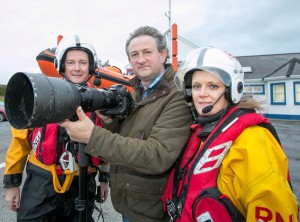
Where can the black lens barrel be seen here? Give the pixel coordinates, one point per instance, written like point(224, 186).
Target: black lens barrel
point(34, 100)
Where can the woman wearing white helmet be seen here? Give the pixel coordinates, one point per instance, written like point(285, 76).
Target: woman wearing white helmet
point(233, 168)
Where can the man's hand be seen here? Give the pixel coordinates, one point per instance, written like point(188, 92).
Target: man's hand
point(105, 118)
point(80, 130)
point(12, 197)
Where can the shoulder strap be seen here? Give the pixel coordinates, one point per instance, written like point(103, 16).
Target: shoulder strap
point(272, 129)
point(180, 172)
point(61, 136)
point(41, 141)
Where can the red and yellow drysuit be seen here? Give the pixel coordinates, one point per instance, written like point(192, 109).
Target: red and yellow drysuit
point(49, 191)
point(253, 175)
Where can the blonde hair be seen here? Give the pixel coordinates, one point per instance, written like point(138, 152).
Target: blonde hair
point(247, 102)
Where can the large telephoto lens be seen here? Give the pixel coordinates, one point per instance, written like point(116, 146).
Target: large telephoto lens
point(33, 100)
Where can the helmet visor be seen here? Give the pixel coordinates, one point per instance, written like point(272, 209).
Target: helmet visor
point(184, 76)
point(219, 73)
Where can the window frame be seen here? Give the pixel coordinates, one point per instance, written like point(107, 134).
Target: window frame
point(295, 99)
point(256, 92)
point(272, 93)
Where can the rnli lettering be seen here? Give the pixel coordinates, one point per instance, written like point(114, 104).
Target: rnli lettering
point(36, 141)
point(212, 158)
point(265, 215)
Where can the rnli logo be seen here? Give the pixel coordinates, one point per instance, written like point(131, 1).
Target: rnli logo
point(212, 158)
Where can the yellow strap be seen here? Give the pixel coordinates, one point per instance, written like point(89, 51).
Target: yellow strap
point(56, 184)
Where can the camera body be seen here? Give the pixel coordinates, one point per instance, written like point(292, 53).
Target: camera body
point(115, 101)
point(33, 100)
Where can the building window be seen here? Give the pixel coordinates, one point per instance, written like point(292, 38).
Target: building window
point(297, 93)
point(278, 94)
point(254, 89)
point(129, 71)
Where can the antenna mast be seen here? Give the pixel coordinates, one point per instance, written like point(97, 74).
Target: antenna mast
point(169, 16)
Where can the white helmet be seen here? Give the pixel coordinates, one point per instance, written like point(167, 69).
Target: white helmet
point(74, 42)
point(216, 61)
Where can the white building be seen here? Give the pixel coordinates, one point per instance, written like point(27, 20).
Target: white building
point(275, 81)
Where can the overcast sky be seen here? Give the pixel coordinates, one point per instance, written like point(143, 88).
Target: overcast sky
point(242, 27)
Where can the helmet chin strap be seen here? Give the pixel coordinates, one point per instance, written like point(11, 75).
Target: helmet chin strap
point(90, 76)
point(63, 75)
point(212, 118)
point(209, 123)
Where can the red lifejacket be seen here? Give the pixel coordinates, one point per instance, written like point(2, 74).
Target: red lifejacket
point(48, 142)
point(191, 193)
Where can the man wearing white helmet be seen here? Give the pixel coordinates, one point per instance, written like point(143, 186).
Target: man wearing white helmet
point(233, 168)
point(78, 57)
point(51, 187)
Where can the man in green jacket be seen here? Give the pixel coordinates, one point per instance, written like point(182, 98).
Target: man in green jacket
point(148, 142)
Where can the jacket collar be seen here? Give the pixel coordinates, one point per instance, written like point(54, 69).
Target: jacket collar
point(163, 88)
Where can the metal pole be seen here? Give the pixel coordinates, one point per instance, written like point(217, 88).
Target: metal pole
point(81, 203)
point(170, 25)
point(170, 15)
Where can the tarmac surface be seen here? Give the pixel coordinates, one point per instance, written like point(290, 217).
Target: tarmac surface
point(288, 131)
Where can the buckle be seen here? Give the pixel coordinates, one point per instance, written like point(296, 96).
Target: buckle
point(67, 162)
point(172, 210)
